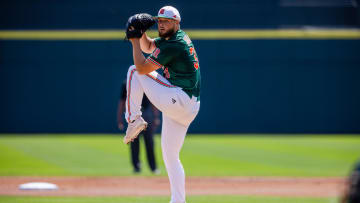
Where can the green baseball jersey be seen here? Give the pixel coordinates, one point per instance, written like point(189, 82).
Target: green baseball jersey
point(177, 57)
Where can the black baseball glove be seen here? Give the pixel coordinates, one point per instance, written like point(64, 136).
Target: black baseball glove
point(138, 24)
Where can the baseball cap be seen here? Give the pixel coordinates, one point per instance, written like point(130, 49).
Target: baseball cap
point(169, 12)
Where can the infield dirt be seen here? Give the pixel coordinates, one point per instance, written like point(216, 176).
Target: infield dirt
point(159, 186)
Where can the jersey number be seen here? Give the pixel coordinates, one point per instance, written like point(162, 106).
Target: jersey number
point(193, 52)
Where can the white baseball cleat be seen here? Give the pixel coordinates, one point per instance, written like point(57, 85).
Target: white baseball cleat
point(134, 129)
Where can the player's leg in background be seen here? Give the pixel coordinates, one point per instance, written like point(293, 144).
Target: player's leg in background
point(172, 139)
point(149, 146)
point(135, 149)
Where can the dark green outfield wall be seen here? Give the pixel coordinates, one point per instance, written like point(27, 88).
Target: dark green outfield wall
point(249, 86)
point(112, 14)
point(270, 86)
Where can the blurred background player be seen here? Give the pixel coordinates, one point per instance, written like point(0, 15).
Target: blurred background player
point(352, 190)
point(151, 114)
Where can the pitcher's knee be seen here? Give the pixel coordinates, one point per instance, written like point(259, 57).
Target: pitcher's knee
point(131, 71)
point(131, 68)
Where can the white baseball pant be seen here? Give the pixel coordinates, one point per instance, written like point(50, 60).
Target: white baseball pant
point(178, 111)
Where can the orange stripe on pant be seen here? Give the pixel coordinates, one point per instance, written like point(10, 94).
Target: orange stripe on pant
point(129, 91)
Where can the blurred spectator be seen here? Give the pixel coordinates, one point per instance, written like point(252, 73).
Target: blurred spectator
point(151, 115)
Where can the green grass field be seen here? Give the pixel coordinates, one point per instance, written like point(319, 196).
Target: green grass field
point(205, 155)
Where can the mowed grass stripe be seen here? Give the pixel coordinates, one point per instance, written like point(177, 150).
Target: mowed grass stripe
point(195, 34)
point(198, 199)
point(297, 146)
point(202, 155)
point(76, 155)
point(277, 155)
point(15, 162)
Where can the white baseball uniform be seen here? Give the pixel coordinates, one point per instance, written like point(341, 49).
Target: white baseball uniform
point(176, 95)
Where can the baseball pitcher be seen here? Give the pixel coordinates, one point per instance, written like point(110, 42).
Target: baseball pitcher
point(176, 93)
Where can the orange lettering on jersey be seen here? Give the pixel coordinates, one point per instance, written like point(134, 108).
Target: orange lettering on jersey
point(191, 50)
point(196, 65)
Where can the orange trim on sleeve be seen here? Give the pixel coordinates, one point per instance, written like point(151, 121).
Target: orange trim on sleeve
point(154, 62)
